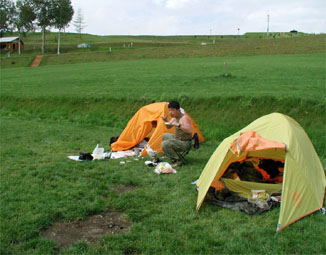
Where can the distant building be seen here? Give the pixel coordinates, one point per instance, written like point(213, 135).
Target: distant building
point(294, 32)
point(83, 45)
point(11, 43)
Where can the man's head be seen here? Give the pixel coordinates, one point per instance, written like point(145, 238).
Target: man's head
point(174, 109)
point(174, 104)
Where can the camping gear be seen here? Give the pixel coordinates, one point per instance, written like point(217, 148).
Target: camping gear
point(255, 205)
point(280, 138)
point(164, 168)
point(98, 153)
point(85, 156)
point(148, 123)
point(152, 153)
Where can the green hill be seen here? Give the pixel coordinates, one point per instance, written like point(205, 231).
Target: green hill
point(115, 48)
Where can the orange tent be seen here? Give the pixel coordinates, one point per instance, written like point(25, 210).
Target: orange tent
point(147, 123)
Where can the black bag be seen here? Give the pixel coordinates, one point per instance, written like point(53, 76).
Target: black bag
point(85, 156)
point(113, 139)
point(196, 141)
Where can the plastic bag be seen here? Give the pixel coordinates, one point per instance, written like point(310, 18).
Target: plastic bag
point(260, 198)
point(150, 151)
point(164, 168)
point(98, 153)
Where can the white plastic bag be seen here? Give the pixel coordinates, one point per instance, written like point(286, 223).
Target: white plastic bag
point(150, 151)
point(260, 198)
point(98, 153)
point(164, 168)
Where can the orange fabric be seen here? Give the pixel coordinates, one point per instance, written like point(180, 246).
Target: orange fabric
point(218, 185)
point(141, 125)
point(251, 141)
point(278, 179)
point(266, 176)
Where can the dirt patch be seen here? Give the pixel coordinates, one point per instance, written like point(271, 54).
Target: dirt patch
point(37, 60)
point(123, 189)
point(89, 230)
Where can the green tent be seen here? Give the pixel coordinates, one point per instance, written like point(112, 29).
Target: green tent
point(278, 137)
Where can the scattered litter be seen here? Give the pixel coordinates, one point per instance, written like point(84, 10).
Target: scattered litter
point(122, 154)
point(276, 198)
point(137, 152)
point(151, 152)
point(195, 183)
point(76, 158)
point(98, 153)
point(85, 156)
point(122, 162)
point(150, 163)
point(164, 168)
point(323, 210)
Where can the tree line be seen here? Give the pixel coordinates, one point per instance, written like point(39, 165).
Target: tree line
point(26, 15)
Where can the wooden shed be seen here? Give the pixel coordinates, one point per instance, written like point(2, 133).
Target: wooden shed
point(11, 43)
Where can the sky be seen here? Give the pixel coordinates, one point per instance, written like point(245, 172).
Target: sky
point(199, 17)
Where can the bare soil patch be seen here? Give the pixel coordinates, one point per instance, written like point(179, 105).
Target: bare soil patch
point(37, 60)
point(89, 230)
point(123, 189)
point(92, 228)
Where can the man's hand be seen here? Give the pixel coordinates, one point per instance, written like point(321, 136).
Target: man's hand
point(174, 122)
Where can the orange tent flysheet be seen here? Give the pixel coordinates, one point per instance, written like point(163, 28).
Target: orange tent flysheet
point(147, 122)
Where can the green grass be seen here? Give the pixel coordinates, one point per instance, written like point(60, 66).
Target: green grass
point(299, 76)
point(115, 48)
point(40, 186)
point(53, 111)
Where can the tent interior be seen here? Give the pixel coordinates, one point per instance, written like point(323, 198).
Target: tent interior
point(253, 178)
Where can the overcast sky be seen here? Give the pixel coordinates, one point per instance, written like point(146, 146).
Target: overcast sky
point(199, 17)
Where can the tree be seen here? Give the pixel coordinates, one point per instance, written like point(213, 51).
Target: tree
point(6, 15)
point(62, 13)
point(79, 22)
point(23, 18)
point(44, 15)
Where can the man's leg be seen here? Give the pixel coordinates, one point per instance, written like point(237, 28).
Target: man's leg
point(167, 136)
point(171, 145)
point(166, 145)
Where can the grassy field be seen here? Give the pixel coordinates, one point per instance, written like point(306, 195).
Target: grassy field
point(116, 48)
point(60, 109)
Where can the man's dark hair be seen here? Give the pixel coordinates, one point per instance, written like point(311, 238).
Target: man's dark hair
point(174, 104)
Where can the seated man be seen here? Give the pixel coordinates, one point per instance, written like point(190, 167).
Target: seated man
point(183, 133)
